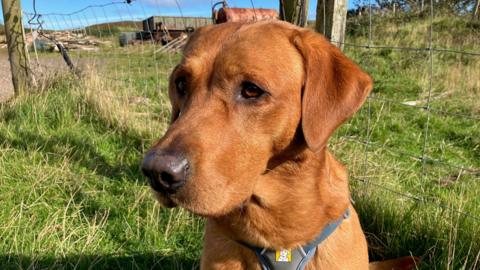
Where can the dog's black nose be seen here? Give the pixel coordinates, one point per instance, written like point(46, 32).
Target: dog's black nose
point(166, 172)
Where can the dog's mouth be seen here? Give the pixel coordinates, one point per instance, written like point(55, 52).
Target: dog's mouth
point(170, 201)
point(164, 199)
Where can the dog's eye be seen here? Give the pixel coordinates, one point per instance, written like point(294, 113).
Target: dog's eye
point(251, 90)
point(181, 86)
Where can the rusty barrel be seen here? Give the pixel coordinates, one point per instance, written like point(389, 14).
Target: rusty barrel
point(226, 14)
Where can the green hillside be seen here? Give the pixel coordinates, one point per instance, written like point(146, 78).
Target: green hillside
point(113, 28)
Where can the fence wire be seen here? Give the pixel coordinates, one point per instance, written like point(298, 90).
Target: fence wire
point(427, 108)
point(140, 67)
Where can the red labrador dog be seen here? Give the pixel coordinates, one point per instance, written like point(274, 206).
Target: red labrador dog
point(253, 106)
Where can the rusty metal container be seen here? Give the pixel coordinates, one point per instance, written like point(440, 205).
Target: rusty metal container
point(227, 14)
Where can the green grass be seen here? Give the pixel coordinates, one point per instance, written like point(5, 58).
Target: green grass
point(441, 226)
point(73, 197)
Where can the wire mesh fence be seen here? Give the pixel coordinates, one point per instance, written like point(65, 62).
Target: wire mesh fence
point(90, 36)
point(433, 164)
point(416, 139)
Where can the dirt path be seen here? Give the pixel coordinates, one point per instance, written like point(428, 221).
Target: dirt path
point(48, 66)
point(6, 87)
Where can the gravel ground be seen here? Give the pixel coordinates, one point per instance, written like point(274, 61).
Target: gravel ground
point(52, 65)
point(6, 87)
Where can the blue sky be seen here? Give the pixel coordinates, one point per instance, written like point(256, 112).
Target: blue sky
point(139, 9)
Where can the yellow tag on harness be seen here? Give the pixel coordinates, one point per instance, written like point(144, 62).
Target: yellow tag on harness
point(283, 255)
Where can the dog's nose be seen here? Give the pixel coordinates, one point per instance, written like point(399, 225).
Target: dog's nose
point(165, 172)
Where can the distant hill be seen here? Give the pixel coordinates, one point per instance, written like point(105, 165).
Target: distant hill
point(113, 28)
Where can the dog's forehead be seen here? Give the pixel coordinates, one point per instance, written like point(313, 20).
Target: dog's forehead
point(255, 45)
point(209, 41)
point(234, 47)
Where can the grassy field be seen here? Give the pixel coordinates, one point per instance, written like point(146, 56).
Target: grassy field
point(447, 181)
point(73, 197)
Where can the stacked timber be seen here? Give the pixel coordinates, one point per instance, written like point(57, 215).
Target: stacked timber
point(70, 40)
point(175, 45)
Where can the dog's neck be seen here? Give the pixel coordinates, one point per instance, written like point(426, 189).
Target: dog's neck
point(308, 188)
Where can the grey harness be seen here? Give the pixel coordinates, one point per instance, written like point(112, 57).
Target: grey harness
point(294, 259)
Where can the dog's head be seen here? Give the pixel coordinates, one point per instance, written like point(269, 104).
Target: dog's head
point(241, 96)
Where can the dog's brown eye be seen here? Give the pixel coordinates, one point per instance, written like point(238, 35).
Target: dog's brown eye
point(181, 86)
point(250, 90)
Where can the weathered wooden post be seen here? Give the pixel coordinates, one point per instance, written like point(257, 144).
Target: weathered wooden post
point(17, 50)
point(332, 19)
point(294, 11)
point(476, 9)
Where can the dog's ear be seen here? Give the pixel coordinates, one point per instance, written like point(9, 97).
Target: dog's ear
point(334, 87)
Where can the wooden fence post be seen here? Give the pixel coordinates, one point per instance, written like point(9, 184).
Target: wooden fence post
point(331, 20)
point(476, 9)
point(294, 11)
point(17, 50)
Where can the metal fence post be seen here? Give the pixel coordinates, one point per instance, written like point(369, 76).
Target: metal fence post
point(17, 50)
point(331, 20)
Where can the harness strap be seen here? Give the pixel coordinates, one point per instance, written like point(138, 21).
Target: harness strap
point(294, 259)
